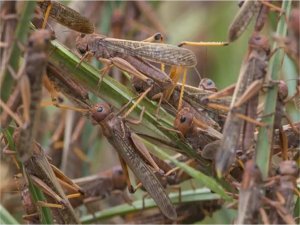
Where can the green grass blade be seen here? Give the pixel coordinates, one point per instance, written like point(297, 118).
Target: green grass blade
point(37, 195)
point(35, 192)
point(202, 194)
point(20, 37)
point(265, 136)
point(198, 175)
point(6, 217)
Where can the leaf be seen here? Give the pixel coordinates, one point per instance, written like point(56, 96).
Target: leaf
point(201, 177)
point(201, 194)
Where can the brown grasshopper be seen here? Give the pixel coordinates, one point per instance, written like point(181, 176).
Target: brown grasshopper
point(128, 147)
point(192, 99)
point(29, 206)
point(109, 48)
point(195, 131)
point(244, 102)
point(250, 194)
point(132, 57)
point(99, 186)
point(248, 10)
point(31, 87)
point(291, 42)
point(36, 165)
point(283, 188)
point(65, 16)
point(68, 87)
point(43, 175)
point(284, 192)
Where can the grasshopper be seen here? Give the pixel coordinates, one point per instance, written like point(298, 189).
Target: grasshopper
point(65, 16)
point(107, 48)
point(202, 137)
point(250, 194)
point(100, 185)
point(244, 101)
point(124, 141)
point(36, 165)
point(248, 10)
point(131, 56)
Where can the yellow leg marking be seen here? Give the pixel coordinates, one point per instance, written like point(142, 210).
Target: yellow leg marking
point(162, 67)
point(182, 90)
point(202, 43)
point(45, 104)
point(81, 155)
point(49, 7)
point(49, 205)
point(137, 102)
point(48, 85)
point(76, 195)
point(241, 116)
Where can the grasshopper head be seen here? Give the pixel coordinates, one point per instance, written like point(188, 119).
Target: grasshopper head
point(184, 120)
point(208, 84)
point(40, 40)
point(82, 43)
point(100, 111)
point(259, 42)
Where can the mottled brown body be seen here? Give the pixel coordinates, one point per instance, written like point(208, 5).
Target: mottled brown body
point(195, 131)
point(67, 16)
point(103, 47)
point(100, 185)
point(38, 166)
point(250, 195)
point(243, 18)
point(253, 69)
point(29, 206)
point(35, 68)
point(289, 172)
point(293, 46)
point(119, 135)
point(67, 86)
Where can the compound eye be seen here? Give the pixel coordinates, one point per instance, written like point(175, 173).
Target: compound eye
point(81, 51)
point(30, 43)
point(209, 82)
point(100, 109)
point(257, 38)
point(182, 119)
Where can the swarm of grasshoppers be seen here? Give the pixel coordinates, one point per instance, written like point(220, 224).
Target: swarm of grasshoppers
point(70, 165)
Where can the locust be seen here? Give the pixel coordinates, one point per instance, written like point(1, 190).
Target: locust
point(250, 194)
point(128, 147)
point(99, 186)
point(133, 56)
point(202, 137)
point(244, 102)
point(65, 16)
point(192, 99)
point(36, 165)
point(31, 87)
point(288, 171)
point(291, 42)
point(130, 56)
point(248, 10)
point(107, 48)
point(283, 189)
